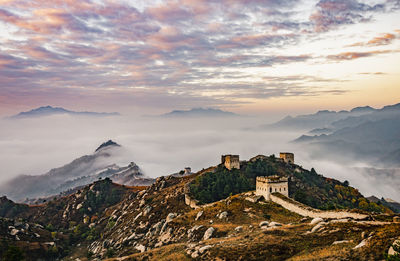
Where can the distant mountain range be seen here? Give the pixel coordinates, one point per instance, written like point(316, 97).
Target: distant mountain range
point(79, 172)
point(200, 112)
point(49, 110)
point(373, 134)
point(322, 120)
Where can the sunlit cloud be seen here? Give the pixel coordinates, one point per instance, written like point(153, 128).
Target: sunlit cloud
point(180, 47)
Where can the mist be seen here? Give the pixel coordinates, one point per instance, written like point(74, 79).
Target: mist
point(162, 146)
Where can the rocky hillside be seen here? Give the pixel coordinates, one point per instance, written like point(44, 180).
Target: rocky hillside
point(106, 220)
point(79, 172)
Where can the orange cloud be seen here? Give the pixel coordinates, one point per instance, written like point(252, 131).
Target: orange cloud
point(355, 55)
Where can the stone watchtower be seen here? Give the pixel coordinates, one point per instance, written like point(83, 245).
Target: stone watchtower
point(287, 157)
point(231, 161)
point(267, 185)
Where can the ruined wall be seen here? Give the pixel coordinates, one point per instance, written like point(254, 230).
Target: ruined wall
point(231, 161)
point(287, 157)
point(307, 211)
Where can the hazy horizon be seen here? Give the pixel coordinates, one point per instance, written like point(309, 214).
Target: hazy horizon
point(163, 146)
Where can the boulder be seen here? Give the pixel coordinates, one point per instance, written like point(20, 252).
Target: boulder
point(14, 232)
point(170, 217)
point(195, 254)
point(199, 214)
point(274, 224)
point(391, 249)
point(204, 249)
point(263, 223)
point(223, 215)
point(316, 221)
point(340, 242)
point(209, 233)
point(317, 227)
point(140, 248)
point(147, 210)
point(362, 243)
point(239, 229)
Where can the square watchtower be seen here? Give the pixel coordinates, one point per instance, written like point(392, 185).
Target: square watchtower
point(231, 161)
point(265, 186)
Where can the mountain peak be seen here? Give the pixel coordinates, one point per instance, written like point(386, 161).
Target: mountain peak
point(199, 112)
point(50, 110)
point(362, 109)
point(108, 143)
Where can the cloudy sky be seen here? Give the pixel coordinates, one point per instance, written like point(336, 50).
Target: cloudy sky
point(153, 56)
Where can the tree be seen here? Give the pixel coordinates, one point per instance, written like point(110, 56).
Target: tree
point(13, 253)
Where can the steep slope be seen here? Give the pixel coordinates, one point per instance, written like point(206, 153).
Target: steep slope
point(79, 172)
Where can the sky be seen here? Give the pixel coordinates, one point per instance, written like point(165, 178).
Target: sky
point(250, 57)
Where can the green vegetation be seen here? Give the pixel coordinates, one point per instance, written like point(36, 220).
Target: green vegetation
point(212, 187)
point(307, 187)
point(10, 252)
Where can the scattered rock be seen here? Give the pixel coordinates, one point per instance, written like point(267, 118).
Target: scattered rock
point(208, 234)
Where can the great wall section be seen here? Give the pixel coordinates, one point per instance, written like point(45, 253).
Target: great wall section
point(271, 191)
point(306, 211)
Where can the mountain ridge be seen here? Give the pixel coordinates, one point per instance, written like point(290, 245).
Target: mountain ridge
point(49, 110)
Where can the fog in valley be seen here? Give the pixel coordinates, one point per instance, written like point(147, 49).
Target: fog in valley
point(162, 146)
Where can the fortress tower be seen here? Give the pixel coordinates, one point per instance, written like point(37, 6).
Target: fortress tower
point(267, 185)
point(287, 157)
point(231, 161)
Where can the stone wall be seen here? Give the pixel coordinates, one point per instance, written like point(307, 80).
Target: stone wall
point(307, 211)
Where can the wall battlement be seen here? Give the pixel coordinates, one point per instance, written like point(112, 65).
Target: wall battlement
point(265, 186)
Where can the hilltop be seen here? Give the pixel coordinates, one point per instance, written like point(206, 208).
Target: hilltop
point(79, 172)
point(105, 220)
